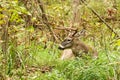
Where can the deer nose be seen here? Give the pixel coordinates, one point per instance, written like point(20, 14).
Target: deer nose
point(60, 48)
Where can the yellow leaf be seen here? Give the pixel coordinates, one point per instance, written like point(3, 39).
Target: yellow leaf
point(118, 42)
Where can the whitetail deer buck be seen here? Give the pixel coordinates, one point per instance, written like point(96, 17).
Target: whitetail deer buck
point(77, 47)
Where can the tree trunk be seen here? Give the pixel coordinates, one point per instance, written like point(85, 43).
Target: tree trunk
point(76, 6)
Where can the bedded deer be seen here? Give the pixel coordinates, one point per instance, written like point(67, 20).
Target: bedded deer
point(78, 47)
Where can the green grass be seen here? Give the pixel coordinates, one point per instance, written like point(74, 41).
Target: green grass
point(78, 69)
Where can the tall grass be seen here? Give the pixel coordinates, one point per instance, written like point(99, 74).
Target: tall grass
point(77, 69)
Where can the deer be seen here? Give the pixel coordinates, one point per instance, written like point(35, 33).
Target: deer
point(74, 47)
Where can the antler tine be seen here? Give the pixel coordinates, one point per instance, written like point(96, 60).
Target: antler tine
point(71, 34)
point(80, 33)
point(75, 32)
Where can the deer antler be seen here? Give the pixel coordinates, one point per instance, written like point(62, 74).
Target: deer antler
point(76, 33)
point(82, 32)
point(72, 34)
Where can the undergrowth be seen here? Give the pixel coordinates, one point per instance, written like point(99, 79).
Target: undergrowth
point(40, 60)
point(103, 68)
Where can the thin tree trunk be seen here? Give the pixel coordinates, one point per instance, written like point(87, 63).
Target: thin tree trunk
point(76, 6)
point(5, 35)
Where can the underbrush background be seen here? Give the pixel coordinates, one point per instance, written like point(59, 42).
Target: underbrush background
point(106, 67)
point(33, 55)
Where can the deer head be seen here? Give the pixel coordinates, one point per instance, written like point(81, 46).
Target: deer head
point(69, 40)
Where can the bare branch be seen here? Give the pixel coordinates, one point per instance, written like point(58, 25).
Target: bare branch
point(68, 28)
point(45, 20)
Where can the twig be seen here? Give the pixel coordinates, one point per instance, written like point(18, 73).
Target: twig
point(114, 63)
point(45, 20)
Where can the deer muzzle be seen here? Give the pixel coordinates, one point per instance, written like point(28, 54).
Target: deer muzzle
point(61, 47)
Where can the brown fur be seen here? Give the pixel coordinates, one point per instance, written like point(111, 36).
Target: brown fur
point(79, 47)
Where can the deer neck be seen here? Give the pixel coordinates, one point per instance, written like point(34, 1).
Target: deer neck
point(79, 47)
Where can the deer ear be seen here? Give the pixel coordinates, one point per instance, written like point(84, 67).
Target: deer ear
point(81, 33)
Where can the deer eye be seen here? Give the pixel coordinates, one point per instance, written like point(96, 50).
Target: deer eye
point(68, 40)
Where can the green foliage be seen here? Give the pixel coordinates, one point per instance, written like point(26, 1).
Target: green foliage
point(30, 49)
